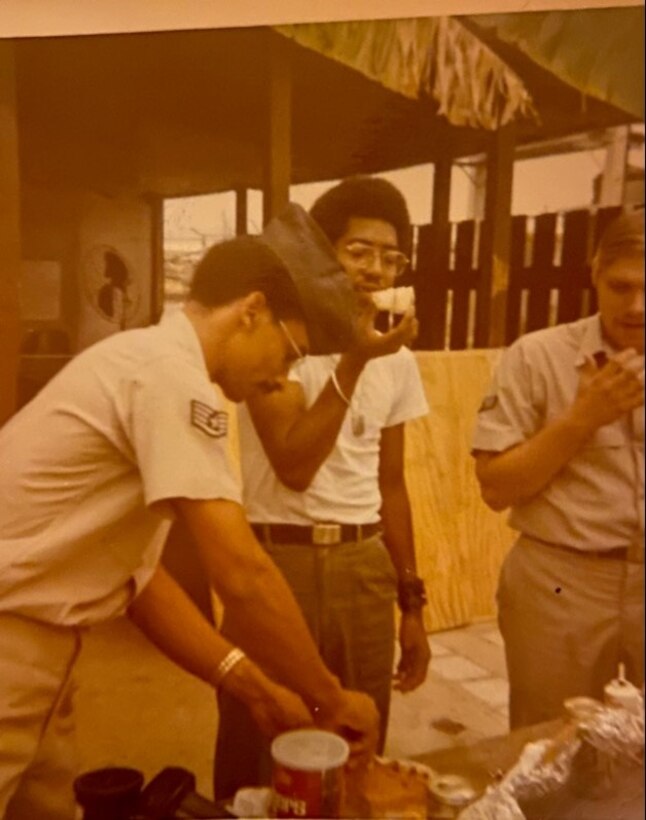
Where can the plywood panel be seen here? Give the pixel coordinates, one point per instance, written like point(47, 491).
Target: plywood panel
point(460, 542)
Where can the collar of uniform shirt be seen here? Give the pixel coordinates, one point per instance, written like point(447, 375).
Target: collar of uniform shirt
point(593, 345)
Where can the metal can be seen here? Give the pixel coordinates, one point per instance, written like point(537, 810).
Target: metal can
point(307, 774)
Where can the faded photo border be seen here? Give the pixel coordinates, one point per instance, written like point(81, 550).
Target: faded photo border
point(41, 18)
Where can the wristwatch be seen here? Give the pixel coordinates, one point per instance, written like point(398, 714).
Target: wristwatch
point(411, 594)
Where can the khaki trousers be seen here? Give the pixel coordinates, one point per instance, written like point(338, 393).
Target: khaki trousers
point(347, 594)
point(568, 620)
point(38, 759)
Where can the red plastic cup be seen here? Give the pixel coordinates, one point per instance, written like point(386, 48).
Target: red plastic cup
point(307, 777)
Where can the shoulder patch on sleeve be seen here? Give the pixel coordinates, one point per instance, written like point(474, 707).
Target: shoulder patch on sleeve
point(214, 423)
point(488, 403)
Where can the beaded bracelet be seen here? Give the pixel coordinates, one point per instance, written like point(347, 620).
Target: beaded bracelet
point(233, 657)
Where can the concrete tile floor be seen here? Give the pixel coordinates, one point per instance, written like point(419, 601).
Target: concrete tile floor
point(135, 708)
point(460, 702)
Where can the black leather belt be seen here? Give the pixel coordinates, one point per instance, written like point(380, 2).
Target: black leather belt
point(319, 534)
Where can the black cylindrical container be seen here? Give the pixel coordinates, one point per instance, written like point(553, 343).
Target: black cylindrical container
point(108, 794)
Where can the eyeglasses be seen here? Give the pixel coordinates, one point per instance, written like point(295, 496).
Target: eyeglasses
point(366, 255)
point(294, 344)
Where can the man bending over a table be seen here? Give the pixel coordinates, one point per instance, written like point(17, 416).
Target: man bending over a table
point(129, 434)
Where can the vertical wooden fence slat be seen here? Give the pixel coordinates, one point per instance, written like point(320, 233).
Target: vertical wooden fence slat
point(574, 275)
point(430, 286)
point(541, 272)
point(460, 283)
point(422, 285)
point(439, 278)
point(516, 277)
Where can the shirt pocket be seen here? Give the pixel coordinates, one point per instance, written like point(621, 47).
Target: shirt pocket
point(608, 436)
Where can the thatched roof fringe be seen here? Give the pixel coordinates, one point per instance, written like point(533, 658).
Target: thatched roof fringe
point(434, 56)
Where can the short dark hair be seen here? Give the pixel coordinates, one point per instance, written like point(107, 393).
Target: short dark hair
point(236, 267)
point(362, 197)
point(623, 238)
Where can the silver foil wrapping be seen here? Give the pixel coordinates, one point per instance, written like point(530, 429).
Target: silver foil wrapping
point(615, 731)
point(495, 804)
point(542, 768)
point(546, 765)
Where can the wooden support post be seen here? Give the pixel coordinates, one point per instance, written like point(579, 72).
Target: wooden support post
point(433, 253)
point(442, 191)
point(157, 273)
point(277, 146)
point(10, 242)
point(441, 233)
point(241, 211)
point(495, 243)
point(613, 178)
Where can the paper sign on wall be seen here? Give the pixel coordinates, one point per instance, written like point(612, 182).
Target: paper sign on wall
point(39, 290)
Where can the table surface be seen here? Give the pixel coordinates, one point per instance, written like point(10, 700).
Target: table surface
point(480, 763)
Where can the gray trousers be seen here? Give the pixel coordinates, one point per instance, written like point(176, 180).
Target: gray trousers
point(38, 756)
point(567, 620)
point(347, 594)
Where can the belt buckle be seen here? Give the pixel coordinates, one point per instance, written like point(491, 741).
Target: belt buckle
point(323, 534)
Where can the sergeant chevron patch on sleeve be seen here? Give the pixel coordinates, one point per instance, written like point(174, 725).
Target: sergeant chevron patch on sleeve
point(214, 423)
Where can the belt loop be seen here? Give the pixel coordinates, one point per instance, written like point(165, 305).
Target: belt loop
point(359, 533)
point(266, 534)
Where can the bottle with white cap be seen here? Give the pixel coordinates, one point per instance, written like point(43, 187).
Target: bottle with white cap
point(620, 692)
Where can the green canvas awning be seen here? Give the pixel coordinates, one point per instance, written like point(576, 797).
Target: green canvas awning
point(598, 51)
point(481, 70)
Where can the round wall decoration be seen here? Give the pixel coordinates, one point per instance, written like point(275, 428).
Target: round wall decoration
point(109, 285)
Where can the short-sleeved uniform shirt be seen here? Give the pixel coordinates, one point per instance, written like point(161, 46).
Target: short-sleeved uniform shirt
point(597, 500)
point(86, 466)
point(345, 489)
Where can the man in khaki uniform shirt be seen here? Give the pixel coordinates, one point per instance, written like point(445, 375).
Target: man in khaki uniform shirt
point(128, 435)
point(560, 440)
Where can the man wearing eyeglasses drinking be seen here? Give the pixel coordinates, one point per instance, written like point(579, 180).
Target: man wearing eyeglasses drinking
point(324, 488)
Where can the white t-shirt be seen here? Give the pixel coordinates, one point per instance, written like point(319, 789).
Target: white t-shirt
point(129, 423)
point(346, 487)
